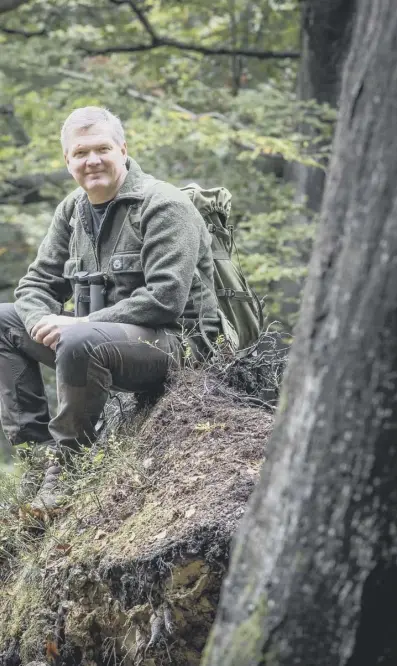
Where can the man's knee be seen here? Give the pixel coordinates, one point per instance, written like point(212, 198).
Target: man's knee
point(9, 318)
point(73, 351)
point(75, 341)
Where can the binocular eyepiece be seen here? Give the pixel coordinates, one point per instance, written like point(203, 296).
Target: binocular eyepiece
point(89, 292)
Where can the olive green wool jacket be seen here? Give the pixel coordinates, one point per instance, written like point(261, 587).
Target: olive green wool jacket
point(153, 246)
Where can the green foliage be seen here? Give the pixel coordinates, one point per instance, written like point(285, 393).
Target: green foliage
point(188, 116)
point(274, 251)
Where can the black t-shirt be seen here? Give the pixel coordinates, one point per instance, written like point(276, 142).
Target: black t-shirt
point(97, 214)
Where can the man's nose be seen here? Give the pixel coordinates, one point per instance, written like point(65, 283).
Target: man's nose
point(93, 158)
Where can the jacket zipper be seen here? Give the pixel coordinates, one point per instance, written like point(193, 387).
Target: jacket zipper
point(96, 242)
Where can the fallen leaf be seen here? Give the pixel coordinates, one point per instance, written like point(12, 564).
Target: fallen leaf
point(63, 547)
point(161, 535)
point(51, 651)
point(136, 479)
point(190, 512)
point(99, 535)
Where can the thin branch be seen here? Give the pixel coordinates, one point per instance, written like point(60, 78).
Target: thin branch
point(80, 76)
point(36, 180)
point(151, 99)
point(187, 113)
point(157, 41)
point(185, 46)
point(26, 189)
point(26, 197)
point(141, 17)
point(23, 33)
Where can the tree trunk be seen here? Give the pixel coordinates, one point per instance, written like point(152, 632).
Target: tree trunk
point(326, 34)
point(313, 577)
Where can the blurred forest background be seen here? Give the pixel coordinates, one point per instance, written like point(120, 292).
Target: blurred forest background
point(240, 93)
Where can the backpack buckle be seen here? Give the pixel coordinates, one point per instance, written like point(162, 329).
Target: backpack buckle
point(230, 293)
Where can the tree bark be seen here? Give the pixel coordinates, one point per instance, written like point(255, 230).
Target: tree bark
point(313, 577)
point(326, 34)
point(325, 40)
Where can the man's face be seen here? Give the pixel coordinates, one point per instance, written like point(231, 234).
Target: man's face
point(96, 162)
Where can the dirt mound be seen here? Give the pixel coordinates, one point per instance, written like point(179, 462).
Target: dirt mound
point(131, 572)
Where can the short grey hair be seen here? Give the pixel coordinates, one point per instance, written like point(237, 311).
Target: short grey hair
point(87, 116)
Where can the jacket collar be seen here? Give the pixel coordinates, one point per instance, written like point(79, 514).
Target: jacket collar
point(132, 188)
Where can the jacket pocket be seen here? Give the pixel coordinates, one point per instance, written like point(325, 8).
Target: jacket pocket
point(127, 273)
point(126, 262)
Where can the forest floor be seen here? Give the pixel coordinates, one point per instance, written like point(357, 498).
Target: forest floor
point(131, 569)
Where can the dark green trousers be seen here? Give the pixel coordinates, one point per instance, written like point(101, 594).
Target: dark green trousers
point(89, 360)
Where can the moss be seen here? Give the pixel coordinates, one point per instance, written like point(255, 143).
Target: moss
point(246, 644)
point(150, 524)
point(283, 402)
point(22, 603)
point(185, 575)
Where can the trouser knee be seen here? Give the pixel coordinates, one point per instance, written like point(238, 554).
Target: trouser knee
point(73, 353)
point(8, 318)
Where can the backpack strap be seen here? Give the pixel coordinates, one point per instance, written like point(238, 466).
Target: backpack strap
point(226, 327)
point(225, 293)
point(221, 233)
point(232, 293)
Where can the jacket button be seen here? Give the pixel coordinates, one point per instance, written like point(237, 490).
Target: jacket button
point(117, 264)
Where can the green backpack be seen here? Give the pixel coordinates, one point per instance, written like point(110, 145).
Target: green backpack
point(240, 309)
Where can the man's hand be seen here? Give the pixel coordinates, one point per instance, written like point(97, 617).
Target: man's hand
point(48, 329)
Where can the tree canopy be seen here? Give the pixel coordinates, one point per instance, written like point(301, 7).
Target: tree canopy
point(206, 92)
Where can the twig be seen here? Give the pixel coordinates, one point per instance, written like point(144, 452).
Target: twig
point(23, 33)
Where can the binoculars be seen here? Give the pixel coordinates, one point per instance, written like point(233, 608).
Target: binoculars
point(89, 292)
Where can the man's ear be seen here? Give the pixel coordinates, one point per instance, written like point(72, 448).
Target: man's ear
point(124, 149)
point(66, 161)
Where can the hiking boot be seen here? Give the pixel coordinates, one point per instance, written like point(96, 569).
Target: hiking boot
point(51, 498)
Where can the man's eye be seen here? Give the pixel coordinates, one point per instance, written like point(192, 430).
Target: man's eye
point(103, 150)
point(79, 154)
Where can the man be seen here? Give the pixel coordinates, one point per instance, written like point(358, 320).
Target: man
point(152, 246)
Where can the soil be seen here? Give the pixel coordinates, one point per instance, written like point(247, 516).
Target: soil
point(130, 572)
